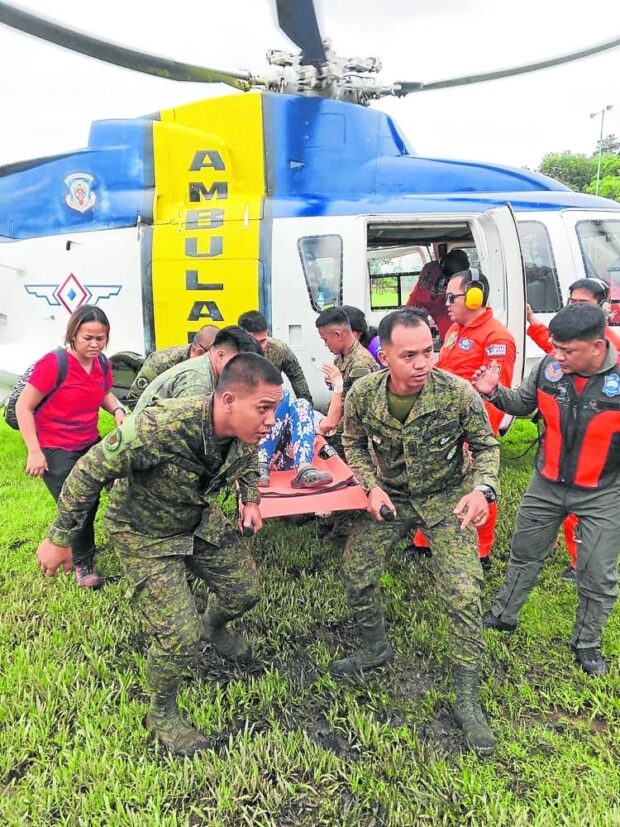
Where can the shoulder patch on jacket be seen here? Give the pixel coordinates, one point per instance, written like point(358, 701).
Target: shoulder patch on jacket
point(495, 350)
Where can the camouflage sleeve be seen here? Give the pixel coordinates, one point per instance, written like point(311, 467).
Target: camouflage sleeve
point(132, 446)
point(355, 443)
point(142, 381)
point(479, 436)
point(248, 480)
point(293, 370)
point(521, 401)
point(188, 383)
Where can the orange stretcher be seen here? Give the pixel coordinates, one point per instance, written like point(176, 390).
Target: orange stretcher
point(343, 494)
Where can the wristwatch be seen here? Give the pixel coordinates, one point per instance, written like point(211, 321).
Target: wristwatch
point(119, 408)
point(489, 494)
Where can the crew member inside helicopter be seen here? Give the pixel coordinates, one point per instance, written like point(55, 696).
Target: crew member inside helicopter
point(429, 291)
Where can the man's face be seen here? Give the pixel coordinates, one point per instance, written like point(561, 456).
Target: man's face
point(262, 338)
point(581, 296)
point(579, 356)
point(456, 309)
point(332, 336)
point(251, 411)
point(220, 355)
point(409, 357)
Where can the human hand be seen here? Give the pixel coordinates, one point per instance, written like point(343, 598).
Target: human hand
point(472, 509)
point(36, 464)
point(377, 498)
point(485, 380)
point(333, 377)
point(249, 518)
point(529, 314)
point(119, 417)
point(51, 556)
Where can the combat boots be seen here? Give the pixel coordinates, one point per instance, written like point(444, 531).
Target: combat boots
point(468, 712)
point(375, 651)
point(167, 723)
point(228, 643)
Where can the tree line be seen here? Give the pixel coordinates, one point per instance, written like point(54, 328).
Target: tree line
point(578, 171)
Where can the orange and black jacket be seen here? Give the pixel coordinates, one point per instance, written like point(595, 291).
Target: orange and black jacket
point(581, 442)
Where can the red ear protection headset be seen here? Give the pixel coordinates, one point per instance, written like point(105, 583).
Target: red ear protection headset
point(476, 292)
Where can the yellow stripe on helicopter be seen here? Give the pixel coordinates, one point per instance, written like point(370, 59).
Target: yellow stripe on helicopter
point(209, 186)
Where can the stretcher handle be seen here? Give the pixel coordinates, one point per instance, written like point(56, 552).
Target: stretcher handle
point(387, 513)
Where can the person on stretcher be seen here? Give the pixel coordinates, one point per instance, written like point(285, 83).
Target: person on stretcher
point(290, 442)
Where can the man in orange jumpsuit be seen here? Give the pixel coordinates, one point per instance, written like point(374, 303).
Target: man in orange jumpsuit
point(582, 291)
point(474, 340)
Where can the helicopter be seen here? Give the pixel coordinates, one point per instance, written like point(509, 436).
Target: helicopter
point(294, 195)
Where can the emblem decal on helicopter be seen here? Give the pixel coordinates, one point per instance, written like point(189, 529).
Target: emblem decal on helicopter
point(71, 294)
point(80, 197)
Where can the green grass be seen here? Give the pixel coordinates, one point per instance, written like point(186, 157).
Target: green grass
point(290, 746)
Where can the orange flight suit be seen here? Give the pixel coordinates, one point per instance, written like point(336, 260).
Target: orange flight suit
point(465, 349)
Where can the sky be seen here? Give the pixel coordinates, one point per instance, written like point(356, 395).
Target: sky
point(49, 96)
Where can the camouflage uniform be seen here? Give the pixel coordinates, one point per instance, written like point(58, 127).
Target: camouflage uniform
point(356, 363)
point(162, 520)
point(154, 364)
point(282, 357)
point(192, 377)
point(422, 467)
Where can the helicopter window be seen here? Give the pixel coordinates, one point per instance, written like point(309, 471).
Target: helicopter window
point(321, 258)
point(600, 250)
point(541, 275)
point(393, 275)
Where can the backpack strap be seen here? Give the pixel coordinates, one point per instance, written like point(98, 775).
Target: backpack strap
point(104, 364)
point(61, 363)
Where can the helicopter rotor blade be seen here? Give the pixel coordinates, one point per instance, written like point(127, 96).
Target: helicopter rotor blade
point(401, 88)
point(118, 55)
point(297, 19)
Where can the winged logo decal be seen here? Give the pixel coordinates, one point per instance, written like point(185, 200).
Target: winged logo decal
point(71, 293)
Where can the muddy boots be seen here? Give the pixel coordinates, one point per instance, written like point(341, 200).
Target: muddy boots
point(468, 712)
point(228, 643)
point(375, 650)
point(167, 723)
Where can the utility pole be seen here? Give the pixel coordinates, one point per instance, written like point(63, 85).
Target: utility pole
point(601, 112)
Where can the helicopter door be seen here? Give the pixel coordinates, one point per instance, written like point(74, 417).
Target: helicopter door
point(500, 258)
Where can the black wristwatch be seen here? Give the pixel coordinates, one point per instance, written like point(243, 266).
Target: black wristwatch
point(489, 494)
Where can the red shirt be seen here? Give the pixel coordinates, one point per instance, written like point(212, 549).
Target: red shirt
point(539, 333)
point(476, 345)
point(68, 419)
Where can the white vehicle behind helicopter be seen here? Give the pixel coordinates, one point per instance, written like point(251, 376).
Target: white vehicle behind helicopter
point(275, 201)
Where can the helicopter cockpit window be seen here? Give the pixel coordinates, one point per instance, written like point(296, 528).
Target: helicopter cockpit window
point(600, 250)
point(541, 275)
point(321, 257)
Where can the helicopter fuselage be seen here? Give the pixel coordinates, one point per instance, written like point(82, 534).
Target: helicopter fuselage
point(287, 204)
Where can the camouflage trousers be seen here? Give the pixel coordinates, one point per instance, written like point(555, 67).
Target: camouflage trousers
point(162, 599)
point(455, 566)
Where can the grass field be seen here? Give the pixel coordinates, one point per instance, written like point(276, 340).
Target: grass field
point(290, 746)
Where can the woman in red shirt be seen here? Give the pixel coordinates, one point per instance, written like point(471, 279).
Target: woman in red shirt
point(59, 425)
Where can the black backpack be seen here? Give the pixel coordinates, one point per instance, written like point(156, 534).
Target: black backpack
point(61, 360)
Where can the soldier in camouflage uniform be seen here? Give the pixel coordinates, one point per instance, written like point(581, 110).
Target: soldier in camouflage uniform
point(169, 462)
point(198, 376)
point(160, 360)
point(404, 436)
point(279, 353)
point(352, 359)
